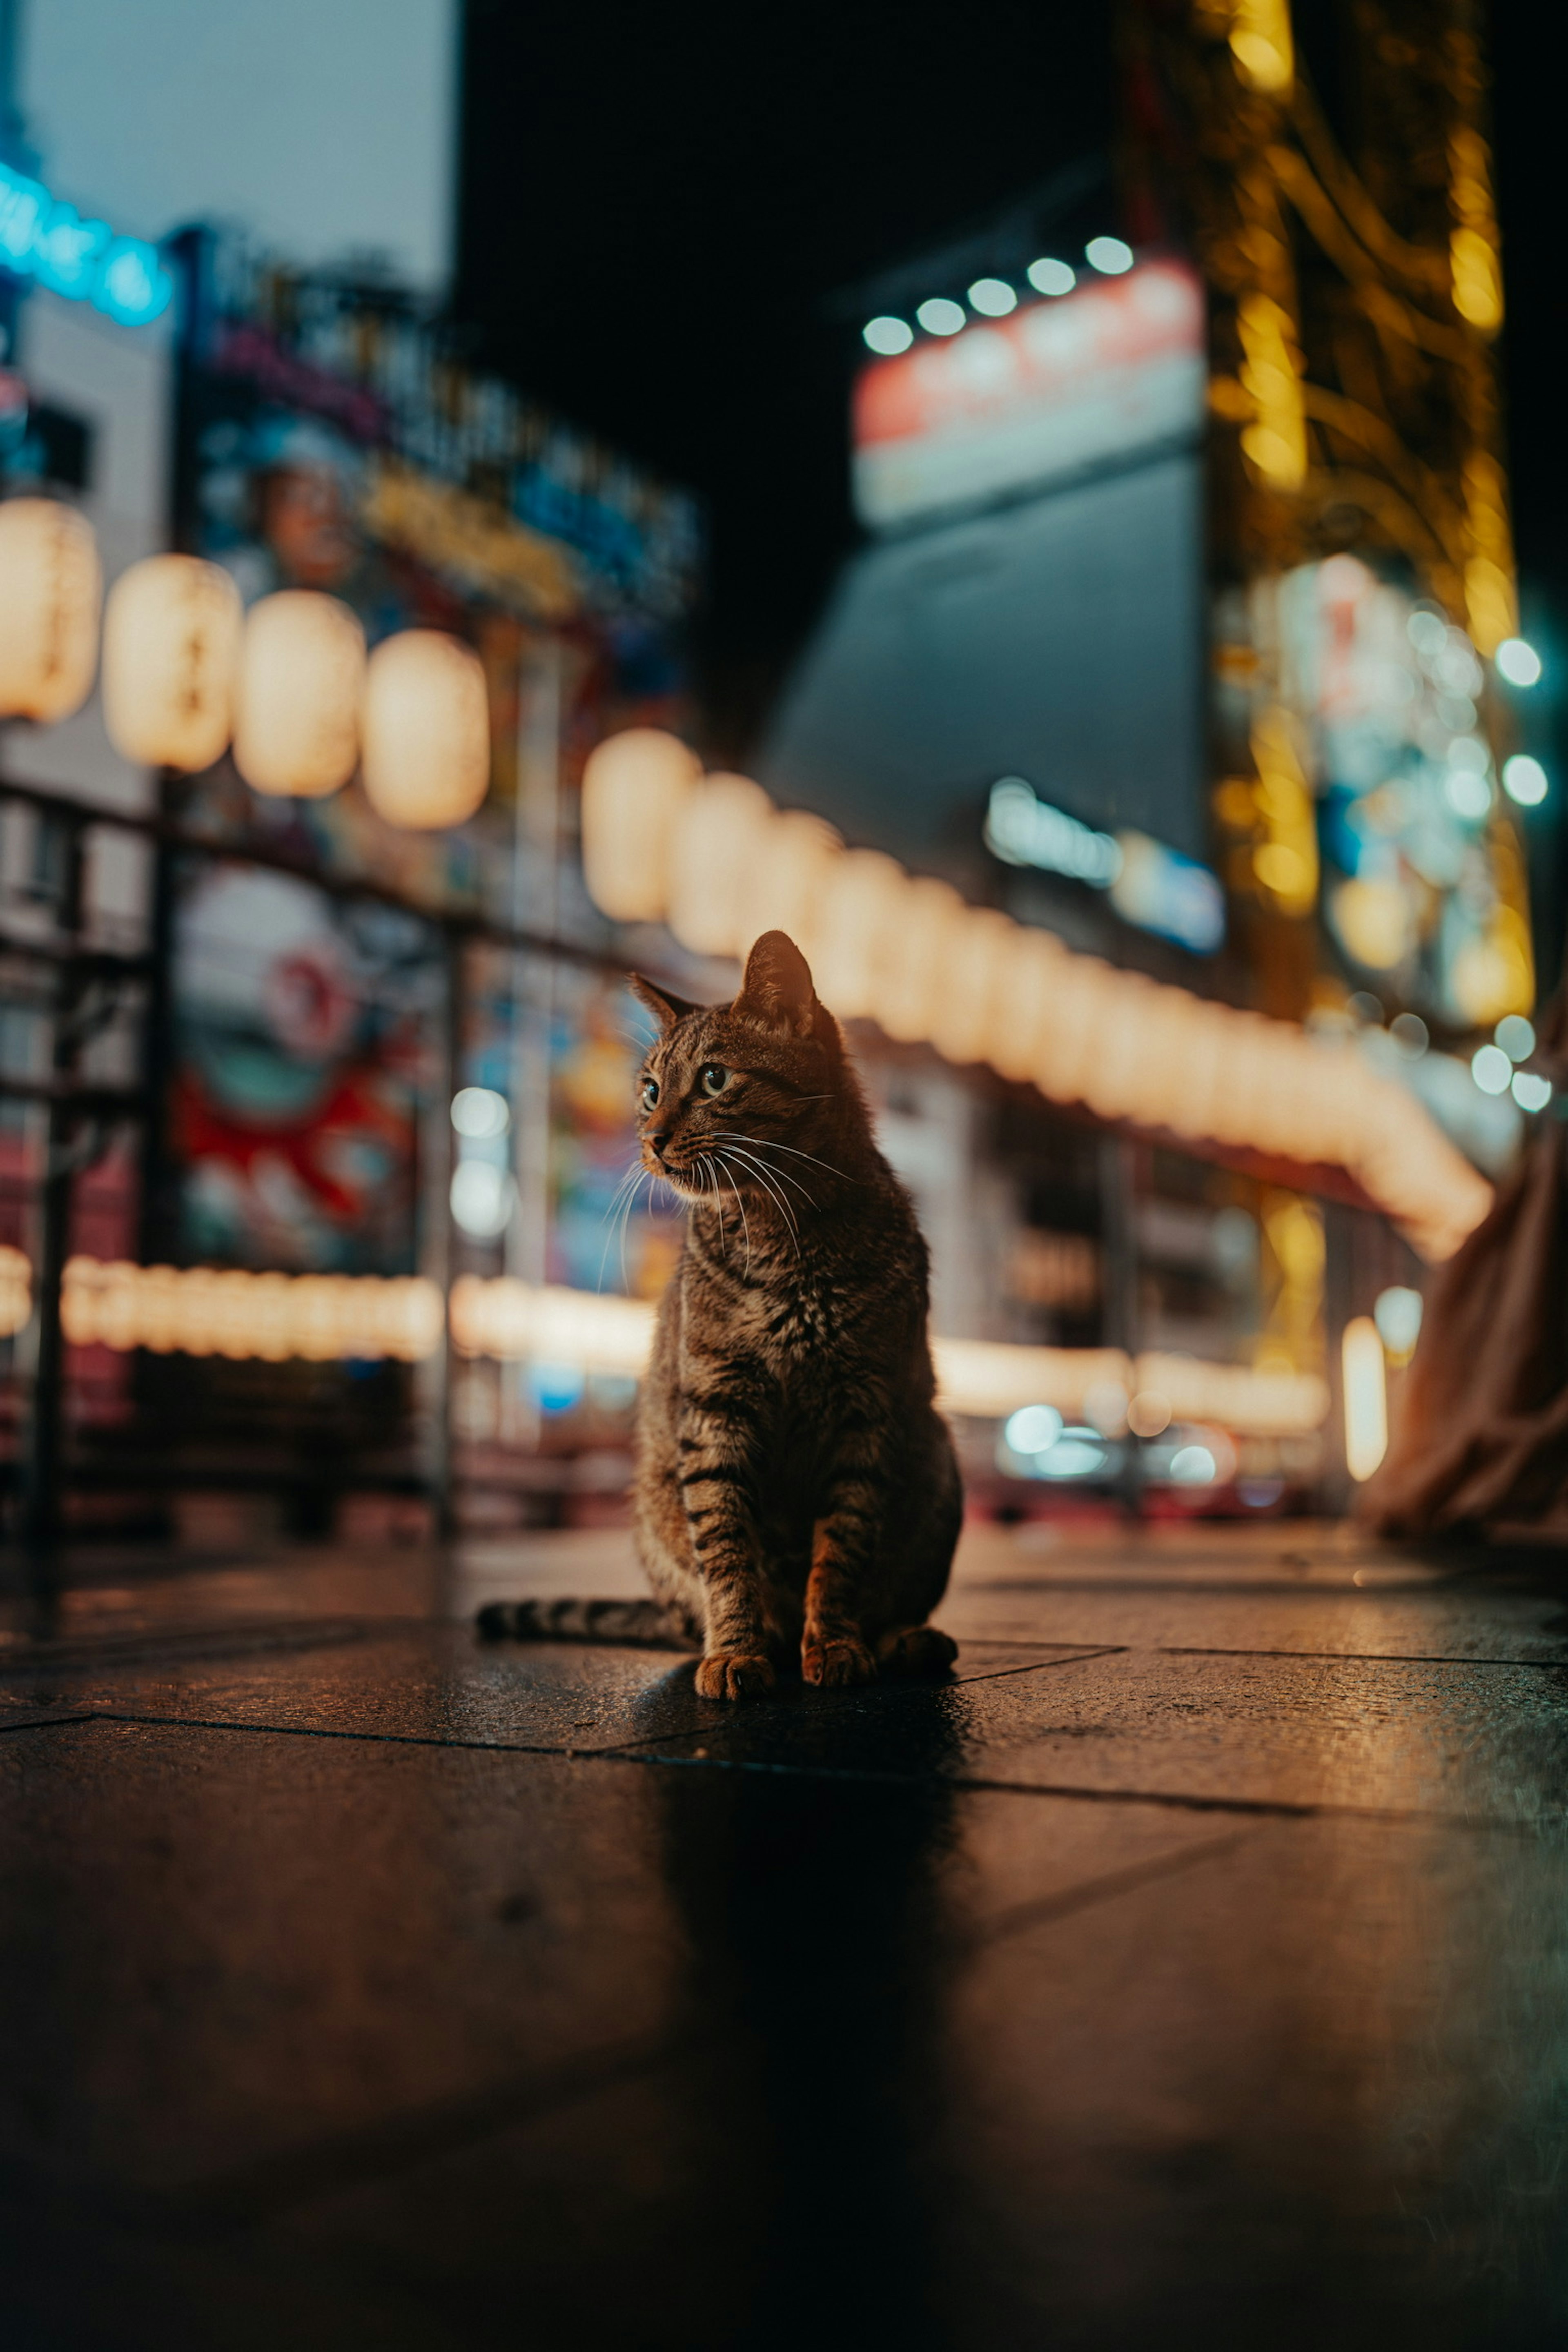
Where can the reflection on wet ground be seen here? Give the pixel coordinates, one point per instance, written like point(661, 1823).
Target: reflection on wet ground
point(1193, 1964)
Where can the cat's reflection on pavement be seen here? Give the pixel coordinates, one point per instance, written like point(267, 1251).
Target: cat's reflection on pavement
point(813, 1899)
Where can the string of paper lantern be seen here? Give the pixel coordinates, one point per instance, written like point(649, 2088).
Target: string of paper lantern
point(289, 687)
point(209, 1311)
point(907, 953)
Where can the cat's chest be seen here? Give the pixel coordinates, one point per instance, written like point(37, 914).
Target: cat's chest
point(799, 1329)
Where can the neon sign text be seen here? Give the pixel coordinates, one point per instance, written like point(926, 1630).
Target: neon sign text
point(42, 238)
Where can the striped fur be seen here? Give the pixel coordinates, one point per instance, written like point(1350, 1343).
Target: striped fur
point(796, 1492)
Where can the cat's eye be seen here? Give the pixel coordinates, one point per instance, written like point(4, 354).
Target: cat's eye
point(715, 1078)
point(650, 1093)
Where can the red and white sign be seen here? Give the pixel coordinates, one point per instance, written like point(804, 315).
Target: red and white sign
point(1112, 368)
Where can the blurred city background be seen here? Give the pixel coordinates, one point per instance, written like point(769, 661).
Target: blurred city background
point(1061, 511)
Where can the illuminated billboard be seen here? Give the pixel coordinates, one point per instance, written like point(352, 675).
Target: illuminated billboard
point(1106, 373)
point(1032, 605)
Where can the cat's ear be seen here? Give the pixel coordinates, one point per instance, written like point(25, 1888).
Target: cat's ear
point(662, 1003)
point(777, 988)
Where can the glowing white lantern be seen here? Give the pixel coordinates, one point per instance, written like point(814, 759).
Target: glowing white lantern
point(974, 977)
point(1086, 1005)
point(1026, 999)
point(1112, 1082)
point(632, 788)
point(715, 846)
point(864, 902)
point(909, 972)
point(171, 637)
point(51, 584)
point(424, 730)
point(785, 889)
point(297, 697)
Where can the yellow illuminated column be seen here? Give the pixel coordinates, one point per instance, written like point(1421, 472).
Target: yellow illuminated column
point(1366, 1398)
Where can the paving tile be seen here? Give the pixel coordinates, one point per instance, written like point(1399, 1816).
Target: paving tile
point(1444, 1619)
point(1466, 1739)
point(434, 1681)
point(216, 1949)
point(1314, 2086)
point(817, 2019)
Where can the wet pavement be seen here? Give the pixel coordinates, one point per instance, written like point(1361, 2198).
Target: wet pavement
point(1193, 1968)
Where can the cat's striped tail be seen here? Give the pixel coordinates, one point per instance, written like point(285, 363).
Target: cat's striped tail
point(631, 1624)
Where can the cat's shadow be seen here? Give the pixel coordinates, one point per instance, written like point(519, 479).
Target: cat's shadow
point(807, 1857)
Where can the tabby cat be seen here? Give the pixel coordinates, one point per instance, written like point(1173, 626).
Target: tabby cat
point(796, 1491)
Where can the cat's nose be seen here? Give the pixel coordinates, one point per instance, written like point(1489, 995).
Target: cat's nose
point(659, 1137)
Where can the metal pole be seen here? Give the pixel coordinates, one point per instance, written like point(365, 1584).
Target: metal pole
point(1118, 1259)
point(41, 1472)
point(438, 1261)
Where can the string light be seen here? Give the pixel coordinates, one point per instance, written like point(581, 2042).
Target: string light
point(209, 1311)
point(904, 952)
point(205, 1311)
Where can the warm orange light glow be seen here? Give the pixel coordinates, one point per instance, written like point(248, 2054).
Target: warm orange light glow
point(204, 1311)
point(1275, 443)
point(171, 640)
point(1366, 1397)
point(515, 1320)
point(1261, 44)
point(16, 1291)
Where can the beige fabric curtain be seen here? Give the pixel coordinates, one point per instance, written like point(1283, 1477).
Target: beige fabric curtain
point(1482, 1440)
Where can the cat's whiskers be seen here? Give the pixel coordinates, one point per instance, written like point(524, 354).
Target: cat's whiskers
point(769, 1143)
point(710, 1179)
point(778, 1199)
point(780, 1175)
point(626, 1186)
point(740, 1204)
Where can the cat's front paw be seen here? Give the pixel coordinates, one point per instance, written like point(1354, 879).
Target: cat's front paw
point(731, 1674)
point(836, 1660)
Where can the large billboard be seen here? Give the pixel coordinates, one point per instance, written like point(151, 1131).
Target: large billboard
point(331, 442)
point(1032, 605)
point(1108, 373)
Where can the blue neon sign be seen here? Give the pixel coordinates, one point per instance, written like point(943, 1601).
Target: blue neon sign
point(41, 238)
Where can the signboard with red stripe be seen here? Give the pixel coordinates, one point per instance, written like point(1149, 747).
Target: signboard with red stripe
point(1112, 370)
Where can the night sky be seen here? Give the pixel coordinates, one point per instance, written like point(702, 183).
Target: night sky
point(657, 205)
